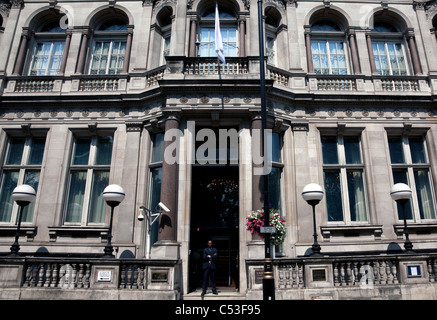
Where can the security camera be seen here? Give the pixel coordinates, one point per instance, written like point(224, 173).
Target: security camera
point(141, 215)
point(163, 207)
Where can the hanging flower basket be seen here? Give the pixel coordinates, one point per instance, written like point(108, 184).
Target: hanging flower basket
point(256, 220)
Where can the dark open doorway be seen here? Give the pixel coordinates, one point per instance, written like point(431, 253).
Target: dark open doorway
point(214, 215)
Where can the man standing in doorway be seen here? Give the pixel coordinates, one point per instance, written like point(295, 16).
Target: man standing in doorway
point(209, 267)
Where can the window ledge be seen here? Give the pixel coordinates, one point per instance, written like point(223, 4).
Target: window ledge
point(351, 231)
point(77, 231)
point(29, 231)
point(418, 228)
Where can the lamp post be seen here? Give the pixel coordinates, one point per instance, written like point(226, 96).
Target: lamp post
point(268, 280)
point(401, 193)
point(113, 195)
point(312, 193)
point(23, 195)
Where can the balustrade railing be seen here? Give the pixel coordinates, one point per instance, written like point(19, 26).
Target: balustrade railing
point(211, 66)
point(100, 83)
point(399, 84)
point(56, 274)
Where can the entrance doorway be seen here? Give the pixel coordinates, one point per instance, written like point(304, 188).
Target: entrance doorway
point(214, 216)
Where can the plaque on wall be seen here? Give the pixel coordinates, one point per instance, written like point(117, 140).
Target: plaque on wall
point(160, 276)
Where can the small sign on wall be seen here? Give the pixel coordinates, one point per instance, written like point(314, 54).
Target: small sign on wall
point(414, 271)
point(104, 276)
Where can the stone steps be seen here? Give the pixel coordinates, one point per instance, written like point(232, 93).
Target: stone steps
point(225, 294)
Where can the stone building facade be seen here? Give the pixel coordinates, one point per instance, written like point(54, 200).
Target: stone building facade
point(90, 90)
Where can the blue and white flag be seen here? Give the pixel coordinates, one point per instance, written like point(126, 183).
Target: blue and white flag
point(218, 37)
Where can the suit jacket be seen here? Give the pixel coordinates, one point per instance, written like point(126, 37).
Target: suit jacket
point(209, 262)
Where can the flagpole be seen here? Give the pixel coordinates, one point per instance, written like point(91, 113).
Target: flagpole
point(268, 280)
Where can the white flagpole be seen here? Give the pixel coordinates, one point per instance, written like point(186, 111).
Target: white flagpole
point(218, 37)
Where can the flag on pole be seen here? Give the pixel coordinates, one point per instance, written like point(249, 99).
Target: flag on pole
point(218, 37)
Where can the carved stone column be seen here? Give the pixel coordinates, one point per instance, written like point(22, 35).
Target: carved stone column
point(169, 189)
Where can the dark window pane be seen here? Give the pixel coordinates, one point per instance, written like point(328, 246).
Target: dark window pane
point(104, 150)
point(396, 151)
point(417, 150)
point(333, 196)
point(352, 150)
point(15, 151)
point(424, 195)
point(81, 151)
point(400, 176)
point(329, 150)
point(36, 151)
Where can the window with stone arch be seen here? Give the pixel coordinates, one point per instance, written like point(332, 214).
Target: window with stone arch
point(229, 31)
point(45, 44)
point(328, 44)
point(392, 46)
point(273, 27)
point(109, 45)
point(161, 34)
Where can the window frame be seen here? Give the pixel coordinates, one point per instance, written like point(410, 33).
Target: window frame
point(105, 37)
point(23, 167)
point(410, 168)
point(90, 169)
point(343, 168)
point(33, 55)
point(386, 41)
point(225, 24)
point(320, 37)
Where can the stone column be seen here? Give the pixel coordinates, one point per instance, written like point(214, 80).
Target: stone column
point(127, 52)
point(82, 54)
point(242, 38)
point(371, 57)
point(65, 53)
point(354, 52)
point(308, 50)
point(167, 246)
point(19, 63)
point(192, 52)
point(169, 189)
point(414, 55)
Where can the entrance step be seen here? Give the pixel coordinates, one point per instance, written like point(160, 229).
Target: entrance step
point(222, 295)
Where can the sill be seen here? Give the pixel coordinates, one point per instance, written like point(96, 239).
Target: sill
point(351, 231)
point(78, 232)
point(417, 228)
point(29, 231)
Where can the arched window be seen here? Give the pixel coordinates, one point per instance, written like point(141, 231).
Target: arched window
point(272, 23)
point(48, 49)
point(228, 27)
point(109, 47)
point(388, 49)
point(164, 19)
point(328, 48)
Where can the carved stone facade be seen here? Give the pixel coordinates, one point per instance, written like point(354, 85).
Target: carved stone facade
point(374, 91)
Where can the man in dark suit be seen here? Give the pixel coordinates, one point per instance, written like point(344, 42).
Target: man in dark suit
point(209, 267)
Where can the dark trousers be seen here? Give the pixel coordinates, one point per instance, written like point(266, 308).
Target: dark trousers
point(209, 274)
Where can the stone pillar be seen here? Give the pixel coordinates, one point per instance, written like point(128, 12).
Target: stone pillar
point(19, 63)
point(65, 53)
point(167, 246)
point(192, 52)
point(414, 55)
point(127, 52)
point(168, 220)
point(242, 38)
point(371, 57)
point(308, 50)
point(354, 52)
point(82, 54)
